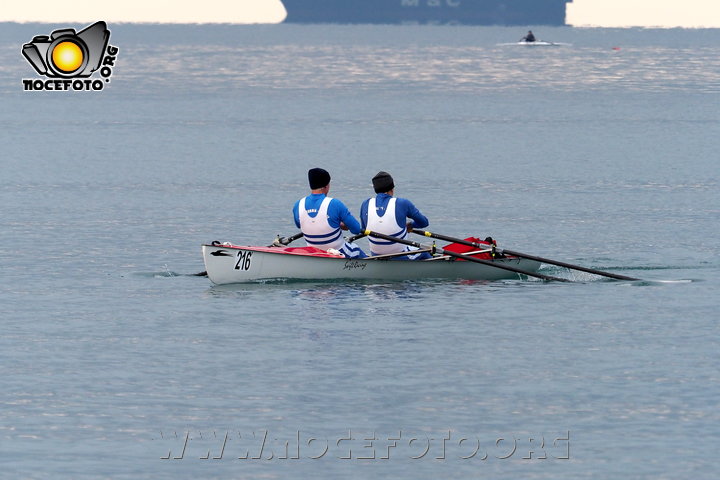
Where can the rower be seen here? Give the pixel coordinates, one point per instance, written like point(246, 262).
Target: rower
point(389, 215)
point(322, 219)
point(529, 37)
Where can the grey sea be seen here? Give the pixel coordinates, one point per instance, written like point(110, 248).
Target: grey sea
point(117, 362)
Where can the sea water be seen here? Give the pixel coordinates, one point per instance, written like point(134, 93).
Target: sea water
point(117, 362)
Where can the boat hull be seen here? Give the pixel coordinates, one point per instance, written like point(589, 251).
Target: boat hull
point(241, 264)
point(535, 44)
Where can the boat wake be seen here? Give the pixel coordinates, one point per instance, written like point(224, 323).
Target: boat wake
point(583, 277)
point(164, 274)
point(686, 280)
point(167, 273)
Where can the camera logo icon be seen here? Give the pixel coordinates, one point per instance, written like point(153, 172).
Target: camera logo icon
point(66, 53)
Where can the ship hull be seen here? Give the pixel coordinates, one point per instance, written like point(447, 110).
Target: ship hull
point(460, 12)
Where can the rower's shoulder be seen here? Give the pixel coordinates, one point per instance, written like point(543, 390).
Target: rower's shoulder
point(403, 201)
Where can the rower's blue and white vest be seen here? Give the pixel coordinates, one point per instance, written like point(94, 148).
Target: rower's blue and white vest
point(388, 225)
point(316, 230)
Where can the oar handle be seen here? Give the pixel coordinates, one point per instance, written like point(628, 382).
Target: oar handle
point(356, 237)
point(282, 241)
point(410, 243)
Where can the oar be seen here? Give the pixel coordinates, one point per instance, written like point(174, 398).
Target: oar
point(399, 254)
point(525, 255)
point(356, 237)
point(464, 257)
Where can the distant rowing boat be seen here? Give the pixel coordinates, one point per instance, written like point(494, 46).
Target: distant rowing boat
point(538, 43)
point(226, 263)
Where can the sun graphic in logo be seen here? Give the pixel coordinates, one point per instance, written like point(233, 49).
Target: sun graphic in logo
point(67, 56)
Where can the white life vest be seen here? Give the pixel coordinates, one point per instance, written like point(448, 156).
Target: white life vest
point(388, 225)
point(316, 230)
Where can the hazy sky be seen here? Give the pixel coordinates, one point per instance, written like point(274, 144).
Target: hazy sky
point(644, 13)
point(158, 11)
point(605, 13)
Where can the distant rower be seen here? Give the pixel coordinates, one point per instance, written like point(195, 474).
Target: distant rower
point(529, 37)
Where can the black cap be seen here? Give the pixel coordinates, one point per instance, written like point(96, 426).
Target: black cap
point(318, 178)
point(382, 182)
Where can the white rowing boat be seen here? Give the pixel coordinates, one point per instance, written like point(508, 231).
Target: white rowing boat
point(226, 263)
point(537, 43)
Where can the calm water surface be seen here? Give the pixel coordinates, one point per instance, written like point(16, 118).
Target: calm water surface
point(116, 362)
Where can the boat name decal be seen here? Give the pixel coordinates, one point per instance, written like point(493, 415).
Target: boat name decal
point(243, 262)
point(354, 264)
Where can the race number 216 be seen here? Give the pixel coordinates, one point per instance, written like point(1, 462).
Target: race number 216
point(243, 262)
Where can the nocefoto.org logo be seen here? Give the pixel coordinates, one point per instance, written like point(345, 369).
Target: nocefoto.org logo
point(68, 58)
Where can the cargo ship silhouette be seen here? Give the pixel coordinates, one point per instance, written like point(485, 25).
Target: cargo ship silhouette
point(460, 12)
